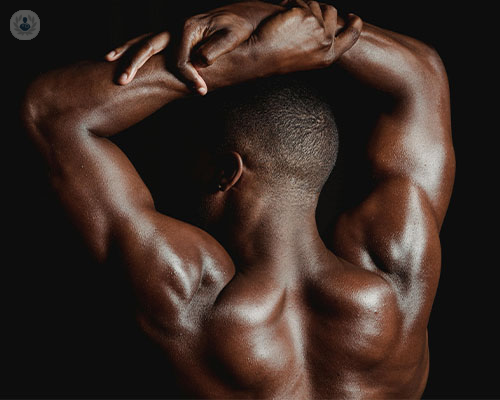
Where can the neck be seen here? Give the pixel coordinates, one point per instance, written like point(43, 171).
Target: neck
point(273, 233)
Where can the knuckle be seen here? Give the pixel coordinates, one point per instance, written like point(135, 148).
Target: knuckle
point(310, 19)
point(318, 32)
point(224, 19)
point(331, 10)
point(298, 12)
point(327, 41)
point(181, 65)
point(205, 57)
point(230, 36)
point(185, 71)
point(189, 23)
point(355, 34)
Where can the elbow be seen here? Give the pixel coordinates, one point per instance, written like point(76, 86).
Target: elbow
point(46, 110)
point(426, 86)
point(434, 63)
point(29, 109)
point(32, 114)
point(420, 75)
point(35, 107)
point(43, 120)
point(429, 68)
point(434, 59)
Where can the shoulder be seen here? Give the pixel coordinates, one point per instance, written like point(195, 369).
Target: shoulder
point(352, 290)
point(172, 265)
point(355, 311)
point(394, 233)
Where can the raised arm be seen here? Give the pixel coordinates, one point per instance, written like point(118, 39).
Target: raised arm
point(395, 230)
point(70, 112)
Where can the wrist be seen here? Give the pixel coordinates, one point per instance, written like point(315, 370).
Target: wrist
point(242, 64)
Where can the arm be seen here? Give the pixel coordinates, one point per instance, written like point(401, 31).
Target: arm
point(395, 230)
point(69, 113)
point(213, 34)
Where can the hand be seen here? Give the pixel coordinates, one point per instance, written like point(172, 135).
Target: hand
point(305, 36)
point(208, 36)
point(211, 35)
point(300, 37)
point(147, 46)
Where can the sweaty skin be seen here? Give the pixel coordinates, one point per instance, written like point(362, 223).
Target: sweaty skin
point(267, 309)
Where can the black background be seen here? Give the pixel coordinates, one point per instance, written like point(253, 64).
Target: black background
point(66, 331)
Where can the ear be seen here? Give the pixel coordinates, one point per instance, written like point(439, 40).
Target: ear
point(229, 170)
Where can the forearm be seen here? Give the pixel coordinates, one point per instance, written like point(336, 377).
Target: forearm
point(86, 93)
point(86, 96)
point(394, 64)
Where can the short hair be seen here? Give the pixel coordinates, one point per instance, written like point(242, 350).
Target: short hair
point(282, 127)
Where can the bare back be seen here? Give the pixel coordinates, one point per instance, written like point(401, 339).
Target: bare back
point(330, 330)
point(342, 318)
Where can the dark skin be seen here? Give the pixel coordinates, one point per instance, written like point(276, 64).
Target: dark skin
point(258, 305)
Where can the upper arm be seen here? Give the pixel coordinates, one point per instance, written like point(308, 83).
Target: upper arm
point(113, 209)
point(67, 114)
point(395, 229)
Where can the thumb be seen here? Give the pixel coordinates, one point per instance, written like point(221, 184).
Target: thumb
point(348, 36)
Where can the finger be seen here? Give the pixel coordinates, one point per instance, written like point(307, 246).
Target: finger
point(316, 11)
point(194, 79)
point(299, 3)
point(330, 19)
point(117, 52)
point(148, 49)
point(221, 42)
point(190, 37)
point(349, 35)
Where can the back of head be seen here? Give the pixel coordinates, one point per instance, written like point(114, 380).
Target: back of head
point(281, 126)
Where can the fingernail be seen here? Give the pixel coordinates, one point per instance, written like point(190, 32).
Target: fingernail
point(111, 54)
point(123, 77)
point(202, 91)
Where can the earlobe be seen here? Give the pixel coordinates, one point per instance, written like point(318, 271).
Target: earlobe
point(231, 169)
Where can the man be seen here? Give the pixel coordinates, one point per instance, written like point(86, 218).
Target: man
point(256, 304)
